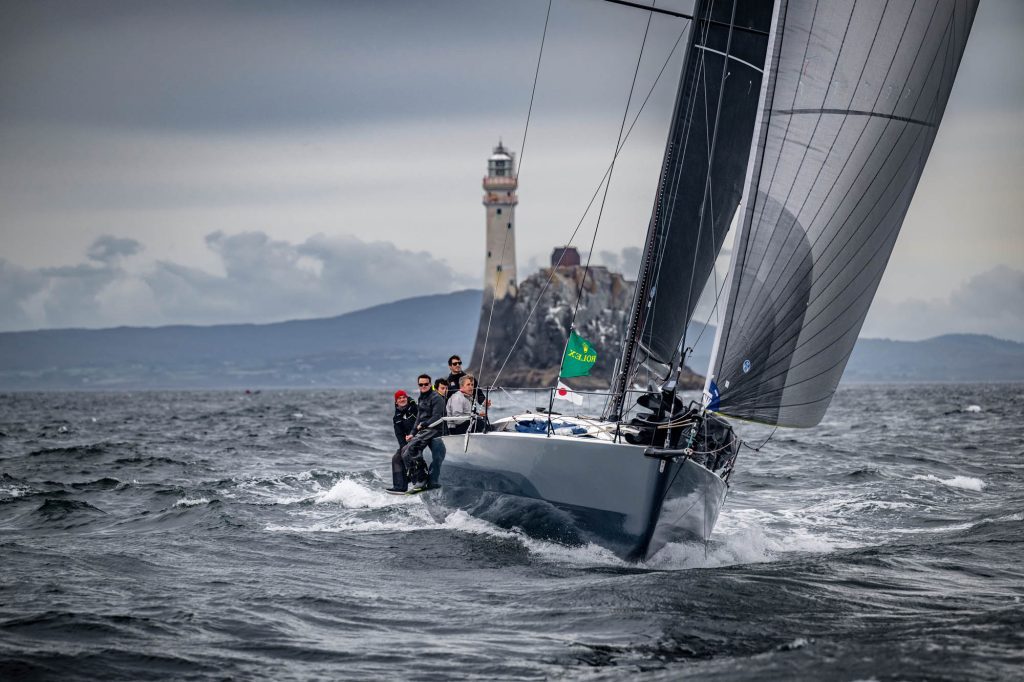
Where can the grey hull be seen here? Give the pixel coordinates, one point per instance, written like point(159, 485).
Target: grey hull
point(578, 490)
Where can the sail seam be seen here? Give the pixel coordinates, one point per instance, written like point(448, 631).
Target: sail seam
point(922, 146)
point(849, 215)
point(836, 137)
point(839, 175)
point(912, 146)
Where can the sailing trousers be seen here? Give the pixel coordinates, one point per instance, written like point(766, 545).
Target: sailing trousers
point(408, 463)
point(437, 453)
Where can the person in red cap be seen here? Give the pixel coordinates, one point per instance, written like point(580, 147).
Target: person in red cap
point(406, 412)
point(405, 417)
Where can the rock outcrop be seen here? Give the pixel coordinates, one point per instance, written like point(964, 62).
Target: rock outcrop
point(528, 332)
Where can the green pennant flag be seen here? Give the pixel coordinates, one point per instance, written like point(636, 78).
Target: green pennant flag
point(579, 357)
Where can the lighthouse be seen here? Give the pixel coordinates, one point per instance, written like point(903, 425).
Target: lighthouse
point(500, 283)
point(500, 201)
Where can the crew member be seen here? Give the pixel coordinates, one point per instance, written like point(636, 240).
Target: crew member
point(462, 405)
point(429, 411)
point(455, 367)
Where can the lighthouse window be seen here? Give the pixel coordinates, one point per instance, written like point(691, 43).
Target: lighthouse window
point(488, 254)
point(510, 226)
point(499, 268)
point(499, 211)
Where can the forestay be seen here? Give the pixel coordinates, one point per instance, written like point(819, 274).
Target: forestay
point(848, 115)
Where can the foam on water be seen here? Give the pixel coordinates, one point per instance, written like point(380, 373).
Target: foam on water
point(963, 482)
point(352, 494)
point(188, 502)
point(348, 524)
point(14, 491)
point(578, 555)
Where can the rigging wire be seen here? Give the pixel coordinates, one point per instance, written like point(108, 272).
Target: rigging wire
point(758, 448)
point(519, 167)
point(600, 211)
point(593, 197)
point(608, 184)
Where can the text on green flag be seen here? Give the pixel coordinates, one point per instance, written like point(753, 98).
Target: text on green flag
point(579, 357)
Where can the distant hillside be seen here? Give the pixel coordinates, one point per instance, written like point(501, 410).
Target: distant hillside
point(952, 357)
point(387, 346)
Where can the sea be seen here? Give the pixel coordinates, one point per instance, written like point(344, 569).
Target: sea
point(247, 535)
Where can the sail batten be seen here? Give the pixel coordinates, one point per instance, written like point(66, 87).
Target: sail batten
point(853, 112)
point(850, 110)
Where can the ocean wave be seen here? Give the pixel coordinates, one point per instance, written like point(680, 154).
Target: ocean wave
point(61, 514)
point(105, 483)
point(80, 451)
point(304, 487)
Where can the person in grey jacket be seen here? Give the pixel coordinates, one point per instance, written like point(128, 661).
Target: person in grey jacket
point(461, 403)
point(409, 462)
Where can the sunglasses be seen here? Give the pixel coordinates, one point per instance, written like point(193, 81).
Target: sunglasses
point(456, 364)
point(422, 385)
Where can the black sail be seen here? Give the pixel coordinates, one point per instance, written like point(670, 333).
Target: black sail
point(704, 166)
point(850, 109)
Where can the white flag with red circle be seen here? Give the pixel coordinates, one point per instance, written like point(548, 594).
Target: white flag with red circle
point(563, 392)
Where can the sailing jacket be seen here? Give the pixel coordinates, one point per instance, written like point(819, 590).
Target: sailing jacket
point(459, 405)
point(405, 420)
point(430, 410)
point(453, 383)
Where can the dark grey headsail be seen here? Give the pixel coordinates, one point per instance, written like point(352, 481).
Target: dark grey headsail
point(702, 172)
point(849, 113)
point(705, 162)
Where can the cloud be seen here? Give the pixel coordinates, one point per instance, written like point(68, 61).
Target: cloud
point(107, 249)
point(626, 261)
point(991, 302)
point(263, 280)
point(71, 295)
point(17, 286)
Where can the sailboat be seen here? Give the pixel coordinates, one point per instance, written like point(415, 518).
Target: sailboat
point(810, 122)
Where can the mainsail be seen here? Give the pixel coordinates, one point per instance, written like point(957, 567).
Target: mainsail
point(848, 115)
point(702, 173)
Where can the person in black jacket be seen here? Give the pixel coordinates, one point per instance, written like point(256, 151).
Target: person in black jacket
point(455, 382)
point(409, 462)
point(456, 374)
point(405, 417)
point(405, 424)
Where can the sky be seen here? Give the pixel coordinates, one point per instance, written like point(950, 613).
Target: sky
point(214, 161)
